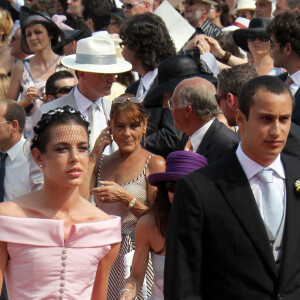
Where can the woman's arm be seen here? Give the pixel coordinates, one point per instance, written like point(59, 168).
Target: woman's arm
point(156, 164)
point(3, 262)
point(15, 81)
point(102, 275)
point(90, 182)
point(134, 282)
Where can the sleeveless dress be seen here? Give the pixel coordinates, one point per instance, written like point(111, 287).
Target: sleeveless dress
point(139, 189)
point(28, 81)
point(42, 265)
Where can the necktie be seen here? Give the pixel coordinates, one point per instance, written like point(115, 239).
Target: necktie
point(93, 125)
point(2, 174)
point(140, 90)
point(272, 204)
point(289, 81)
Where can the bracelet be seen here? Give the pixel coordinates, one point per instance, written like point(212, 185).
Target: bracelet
point(226, 57)
point(131, 203)
point(124, 290)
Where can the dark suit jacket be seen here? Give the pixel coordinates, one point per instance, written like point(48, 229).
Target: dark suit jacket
point(292, 145)
point(216, 143)
point(217, 244)
point(296, 110)
point(161, 138)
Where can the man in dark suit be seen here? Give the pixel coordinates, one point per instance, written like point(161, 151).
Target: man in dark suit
point(194, 109)
point(226, 238)
point(284, 30)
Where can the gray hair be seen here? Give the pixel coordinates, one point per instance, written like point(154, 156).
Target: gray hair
point(292, 4)
point(201, 99)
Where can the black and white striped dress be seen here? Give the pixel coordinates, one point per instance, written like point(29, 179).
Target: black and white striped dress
point(139, 189)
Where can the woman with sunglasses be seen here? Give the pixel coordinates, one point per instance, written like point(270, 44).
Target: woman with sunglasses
point(256, 41)
point(152, 227)
point(118, 181)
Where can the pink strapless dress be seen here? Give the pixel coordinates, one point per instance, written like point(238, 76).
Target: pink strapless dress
point(42, 265)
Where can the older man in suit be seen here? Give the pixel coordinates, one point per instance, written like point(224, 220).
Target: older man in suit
point(96, 64)
point(194, 109)
point(230, 234)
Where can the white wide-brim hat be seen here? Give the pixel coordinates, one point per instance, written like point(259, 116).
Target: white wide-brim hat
point(245, 4)
point(239, 23)
point(96, 55)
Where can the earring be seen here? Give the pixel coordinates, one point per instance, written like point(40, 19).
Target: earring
point(41, 165)
point(144, 137)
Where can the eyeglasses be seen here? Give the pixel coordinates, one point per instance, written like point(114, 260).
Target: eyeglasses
point(131, 5)
point(122, 45)
point(261, 38)
point(64, 90)
point(130, 99)
point(170, 186)
point(3, 122)
point(170, 104)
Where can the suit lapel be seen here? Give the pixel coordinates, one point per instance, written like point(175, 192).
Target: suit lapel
point(292, 220)
point(239, 196)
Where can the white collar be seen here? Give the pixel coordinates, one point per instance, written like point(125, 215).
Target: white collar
point(251, 167)
point(296, 77)
point(83, 103)
point(149, 78)
point(16, 149)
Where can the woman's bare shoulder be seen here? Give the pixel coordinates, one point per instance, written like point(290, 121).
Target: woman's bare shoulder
point(156, 164)
point(13, 208)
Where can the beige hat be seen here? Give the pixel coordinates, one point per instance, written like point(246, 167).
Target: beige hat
point(96, 55)
point(245, 4)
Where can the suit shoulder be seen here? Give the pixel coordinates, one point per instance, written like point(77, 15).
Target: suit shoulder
point(225, 134)
point(60, 102)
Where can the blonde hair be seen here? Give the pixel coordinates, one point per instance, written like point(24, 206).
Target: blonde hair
point(4, 84)
point(6, 24)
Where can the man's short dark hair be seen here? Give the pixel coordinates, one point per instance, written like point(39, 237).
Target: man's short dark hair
point(98, 11)
point(84, 30)
point(148, 37)
point(268, 83)
point(231, 80)
point(14, 111)
point(51, 88)
point(285, 28)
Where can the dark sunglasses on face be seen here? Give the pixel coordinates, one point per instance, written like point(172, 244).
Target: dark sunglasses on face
point(130, 99)
point(261, 38)
point(130, 5)
point(64, 90)
point(189, 2)
point(170, 186)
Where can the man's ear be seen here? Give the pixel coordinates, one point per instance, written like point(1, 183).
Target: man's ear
point(15, 126)
point(188, 110)
point(240, 118)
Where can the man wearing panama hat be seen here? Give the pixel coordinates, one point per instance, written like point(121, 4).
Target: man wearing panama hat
point(96, 64)
point(196, 12)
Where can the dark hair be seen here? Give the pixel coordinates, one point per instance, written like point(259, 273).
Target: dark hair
point(267, 83)
point(227, 44)
point(50, 83)
point(134, 110)
point(45, 6)
point(292, 4)
point(126, 78)
point(59, 116)
point(285, 28)
point(161, 209)
point(225, 17)
point(148, 37)
point(81, 26)
point(98, 11)
point(14, 111)
point(231, 80)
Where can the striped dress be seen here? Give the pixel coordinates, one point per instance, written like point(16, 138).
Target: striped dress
point(139, 189)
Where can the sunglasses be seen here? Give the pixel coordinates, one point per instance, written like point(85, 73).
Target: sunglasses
point(130, 99)
point(64, 90)
point(170, 186)
point(190, 2)
point(261, 38)
point(130, 5)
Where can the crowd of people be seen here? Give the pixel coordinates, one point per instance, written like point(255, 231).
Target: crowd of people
point(117, 147)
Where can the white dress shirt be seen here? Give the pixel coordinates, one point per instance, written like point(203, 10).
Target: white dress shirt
point(148, 80)
point(296, 84)
point(198, 135)
point(16, 180)
point(83, 104)
point(251, 168)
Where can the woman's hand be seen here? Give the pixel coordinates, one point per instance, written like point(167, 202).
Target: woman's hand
point(110, 192)
point(215, 47)
point(126, 295)
point(103, 140)
point(29, 96)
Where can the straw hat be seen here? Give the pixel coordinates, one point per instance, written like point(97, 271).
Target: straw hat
point(96, 55)
point(245, 4)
